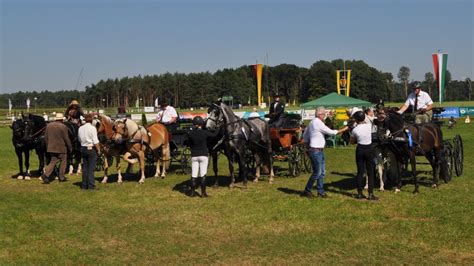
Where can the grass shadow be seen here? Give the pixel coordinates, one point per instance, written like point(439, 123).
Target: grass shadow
point(289, 191)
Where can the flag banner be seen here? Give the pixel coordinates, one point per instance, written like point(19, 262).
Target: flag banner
point(258, 69)
point(28, 104)
point(343, 81)
point(10, 105)
point(156, 102)
point(440, 62)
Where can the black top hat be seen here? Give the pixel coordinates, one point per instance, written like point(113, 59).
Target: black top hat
point(277, 95)
point(164, 103)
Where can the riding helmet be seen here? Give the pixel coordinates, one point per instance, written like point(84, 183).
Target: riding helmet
point(359, 116)
point(416, 85)
point(197, 120)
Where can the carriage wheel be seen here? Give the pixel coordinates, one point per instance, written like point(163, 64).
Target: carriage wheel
point(293, 161)
point(390, 165)
point(458, 154)
point(99, 166)
point(249, 160)
point(305, 161)
point(185, 160)
point(149, 162)
point(448, 161)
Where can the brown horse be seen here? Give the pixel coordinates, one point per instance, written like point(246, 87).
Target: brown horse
point(411, 140)
point(160, 146)
point(109, 149)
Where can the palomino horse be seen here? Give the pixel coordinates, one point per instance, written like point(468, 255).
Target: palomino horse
point(410, 140)
point(28, 134)
point(238, 136)
point(136, 139)
point(160, 146)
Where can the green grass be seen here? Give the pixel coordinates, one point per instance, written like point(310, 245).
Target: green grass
point(263, 224)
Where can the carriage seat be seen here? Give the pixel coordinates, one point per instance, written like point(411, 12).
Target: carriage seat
point(287, 120)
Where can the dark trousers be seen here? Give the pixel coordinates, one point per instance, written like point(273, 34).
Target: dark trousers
point(55, 157)
point(365, 155)
point(89, 159)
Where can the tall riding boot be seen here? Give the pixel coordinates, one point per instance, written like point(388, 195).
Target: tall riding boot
point(203, 187)
point(193, 187)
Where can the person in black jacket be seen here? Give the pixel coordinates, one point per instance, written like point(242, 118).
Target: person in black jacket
point(276, 110)
point(197, 141)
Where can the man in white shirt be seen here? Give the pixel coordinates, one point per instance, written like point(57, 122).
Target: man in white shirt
point(89, 150)
point(315, 141)
point(168, 116)
point(420, 103)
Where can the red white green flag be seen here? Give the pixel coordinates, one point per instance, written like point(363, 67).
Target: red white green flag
point(440, 62)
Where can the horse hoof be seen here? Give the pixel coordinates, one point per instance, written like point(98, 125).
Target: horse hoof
point(103, 182)
point(27, 178)
point(20, 177)
point(434, 186)
point(381, 189)
point(397, 190)
point(255, 180)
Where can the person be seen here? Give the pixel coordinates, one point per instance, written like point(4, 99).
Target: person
point(365, 153)
point(89, 150)
point(58, 145)
point(276, 110)
point(467, 120)
point(315, 141)
point(420, 103)
point(254, 113)
point(74, 113)
point(197, 141)
point(370, 120)
point(168, 116)
point(451, 122)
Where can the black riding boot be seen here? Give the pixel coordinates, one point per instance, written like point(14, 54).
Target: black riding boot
point(203, 187)
point(193, 187)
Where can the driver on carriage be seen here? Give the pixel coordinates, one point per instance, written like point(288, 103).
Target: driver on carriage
point(168, 116)
point(420, 103)
point(275, 113)
point(74, 113)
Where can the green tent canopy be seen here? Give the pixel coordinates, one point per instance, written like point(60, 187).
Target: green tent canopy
point(335, 100)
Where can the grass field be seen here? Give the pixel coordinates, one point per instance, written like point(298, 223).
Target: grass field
point(155, 223)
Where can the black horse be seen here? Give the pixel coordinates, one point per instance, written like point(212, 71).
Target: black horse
point(240, 135)
point(74, 158)
point(28, 134)
point(407, 140)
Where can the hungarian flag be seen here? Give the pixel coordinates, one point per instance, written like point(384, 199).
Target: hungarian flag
point(440, 62)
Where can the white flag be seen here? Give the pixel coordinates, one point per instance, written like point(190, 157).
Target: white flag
point(28, 103)
point(10, 105)
point(156, 102)
point(137, 103)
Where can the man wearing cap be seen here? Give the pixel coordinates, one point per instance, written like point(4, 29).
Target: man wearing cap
point(276, 110)
point(58, 145)
point(168, 116)
point(89, 151)
point(420, 103)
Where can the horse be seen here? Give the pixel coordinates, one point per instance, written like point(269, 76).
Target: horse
point(136, 141)
point(160, 147)
point(28, 134)
point(216, 145)
point(410, 140)
point(239, 135)
point(75, 157)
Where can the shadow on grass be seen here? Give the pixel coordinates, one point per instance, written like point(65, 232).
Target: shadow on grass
point(289, 191)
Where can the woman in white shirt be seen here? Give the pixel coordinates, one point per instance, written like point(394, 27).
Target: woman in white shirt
point(365, 153)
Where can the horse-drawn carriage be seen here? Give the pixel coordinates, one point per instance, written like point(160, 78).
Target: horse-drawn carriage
point(287, 145)
point(405, 140)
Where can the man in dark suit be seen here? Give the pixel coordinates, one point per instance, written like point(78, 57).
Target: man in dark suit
point(58, 145)
point(276, 110)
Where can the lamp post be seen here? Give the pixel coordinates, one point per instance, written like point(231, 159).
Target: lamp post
point(103, 103)
point(36, 98)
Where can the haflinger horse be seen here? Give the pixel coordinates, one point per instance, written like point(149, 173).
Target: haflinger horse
point(28, 134)
point(406, 140)
point(240, 135)
point(159, 145)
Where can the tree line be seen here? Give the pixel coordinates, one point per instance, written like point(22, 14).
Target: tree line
point(296, 84)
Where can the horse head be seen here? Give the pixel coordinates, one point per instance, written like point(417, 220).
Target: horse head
point(34, 125)
point(18, 130)
point(215, 118)
point(104, 126)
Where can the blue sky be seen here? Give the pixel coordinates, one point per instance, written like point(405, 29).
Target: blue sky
point(44, 44)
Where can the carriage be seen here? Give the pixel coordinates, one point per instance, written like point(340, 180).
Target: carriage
point(179, 150)
point(287, 145)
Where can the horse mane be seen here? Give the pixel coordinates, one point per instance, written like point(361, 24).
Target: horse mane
point(229, 115)
point(107, 125)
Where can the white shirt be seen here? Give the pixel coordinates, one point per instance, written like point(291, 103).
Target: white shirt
point(88, 135)
point(314, 133)
point(254, 114)
point(363, 134)
point(424, 100)
point(164, 116)
point(370, 120)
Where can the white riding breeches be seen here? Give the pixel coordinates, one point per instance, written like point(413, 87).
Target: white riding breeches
point(199, 165)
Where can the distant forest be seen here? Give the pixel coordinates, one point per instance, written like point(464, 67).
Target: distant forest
point(296, 84)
